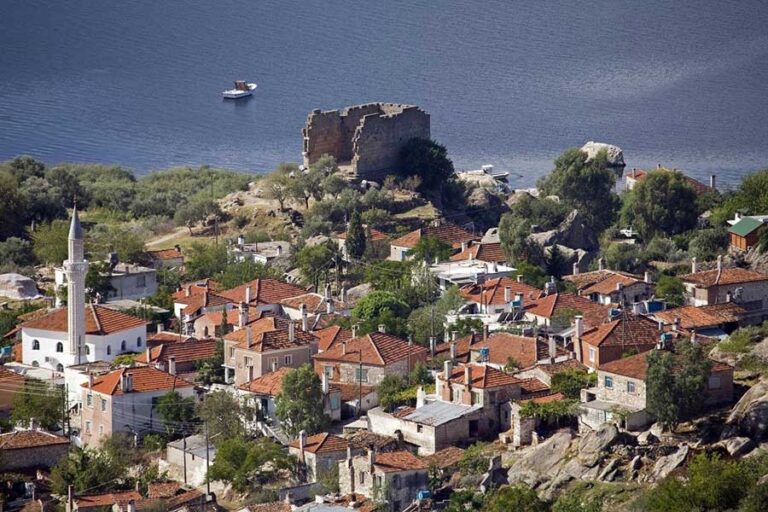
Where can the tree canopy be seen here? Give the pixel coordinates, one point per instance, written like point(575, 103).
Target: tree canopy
point(246, 463)
point(299, 406)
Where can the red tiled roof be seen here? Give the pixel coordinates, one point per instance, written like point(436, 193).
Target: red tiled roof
point(609, 284)
point(269, 384)
point(264, 291)
point(570, 364)
point(233, 316)
point(166, 254)
point(554, 397)
point(463, 349)
point(98, 320)
point(163, 489)
point(206, 299)
point(183, 499)
point(168, 337)
point(270, 333)
point(8, 376)
point(494, 291)
point(692, 317)
point(733, 275)
point(636, 366)
point(548, 306)
point(106, 500)
point(322, 443)
point(445, 458)
point(584, 280)
point(532, 386)
point(350, 392)
point(376, 235)
point(697, 186)
point(390, 462)
point(626, 330)
point(526, 351)
point(195, 288)
point(315, 303)
point(146, 379)
point(489, 253)
point(22, 439)
point(483, 376)
point(450, 234)
point(329, 336)
point(375, 349)
point(182, 352)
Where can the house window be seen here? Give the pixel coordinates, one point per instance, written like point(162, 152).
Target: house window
point(109, 350)
point(361, 375)
point(231, 352)
point(101, 430)
point(122, 346)
point(328, 370)
point(419, 428)
point(87, 350)
point(138, 341)
point(35, 344)
point(476, 398)
point(103, 404)
point(59, 347)
point(89, 399)
point(288, 360)
point(592, 354)
point(60, 368)
point(362, 477)
point(248, 362)
point(609, 382)
point(35, 364)
point(630, 387)
point(714, 382)
point(87, 427)
point(335, 402)
point(396, 484)
point(141, 281)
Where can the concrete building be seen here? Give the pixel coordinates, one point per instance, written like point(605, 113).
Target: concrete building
point(365, 139)
point(318, 455)
point(260, 252)
point(398, 475)
point(31, 449)
point(188, 459)
point(167, 258)
point(124, 400)
point(128, 281)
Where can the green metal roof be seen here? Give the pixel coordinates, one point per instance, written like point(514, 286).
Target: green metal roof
point(745, 226)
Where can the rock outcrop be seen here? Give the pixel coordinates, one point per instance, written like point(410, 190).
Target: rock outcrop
point(614, 153)
point(668, 463)
point(593, 446)
point(573, 233)
point(749, 417)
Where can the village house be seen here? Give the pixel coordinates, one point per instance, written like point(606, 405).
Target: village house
point(495, 302)
point(218, 323)
point(461, 273)
point(538, 378)
point(182, 359)
point(10, 383)
point(31, 449)
point(132, 501)
point(260, 252)
point(620, 394)
point(715, 320)
point(188, 459)
point(264, 294)
point(128, 281)
point(319, 455)
point(167, 258)
point(195, 288)
point(124, 400)
point(308, 308)
point(264, 346)
point(610, 287)
point(377, 243)
point(108, 333)
point(163, 337)
point(457, 349)
point(625, 335)
point(330, 336)
point(635, 176)
point(555, 311)
point(450, 234)
point(189, 309)
point(502, 350)
point(484, 252)
point(468, 407)
point(399, 475)
point(747, 288)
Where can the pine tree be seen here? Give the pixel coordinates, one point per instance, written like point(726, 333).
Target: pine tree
point(355, 244)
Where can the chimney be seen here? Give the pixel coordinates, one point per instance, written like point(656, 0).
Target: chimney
point(579, 332)
point(343, 348)
point(507, 294)
point(676, 325)
point(371, 461)
point(160, 327)
point(291, 331)
point(274, 365)
point(448, 367)
point(485, 332)
point(382, 328)
point(131, 506)
point(712, 181)
point(302, 444)
point(304, 319)
point(327, 291)
point(32, 424)
point(519, 278)
point(694, 268)
point(243, 315)
point(324, 383)
point(248, 336)
point(575, 270)
point(468, 376)
point(125, 382)
point(279, 250)
point(432, 345)
point(463, 246)
point(188, 291)
point(693, 337)
point(149, 356)
point(453, 351)
point(454, 335)
point(354, 330)
point(552, 349)
point(647, 277)
point(172, 365)
point(343, 295)
point(70, 498)
point(329, 306)
point(619, 286)
point(601, 264)
point(90, 378)
point(421, 397)
point(248, 293)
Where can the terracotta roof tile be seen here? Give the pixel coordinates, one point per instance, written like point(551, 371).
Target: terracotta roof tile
point(526, 351)
point(185, 352)
point(166, 254)
point(376, 349)
point(692, 317)
point(98, 320)
point(548, 306)
point(233, 316)
point(532, 386)
point(163, 489)
point(494, 291)
point(445, 458)
point(350, 392)
point(584, 280)
point(609, 284)
point(376, 235)
point(195, 288)
point(331, 335)
point(8, 376)
point(264, 291)
point(167, 337)
point(733, 275)
point(323, 443)
point(146, 379)
point(636, 366)
point(29, 439)
point(364, 439)
point(626, 330)
point(450, 234)
point(390, 462)
point(570, 364)
point(184, 498)
point(463, 345)
point(270, 333)
point(106, 500)
point(269, 384)
point(194, 303)
point(314, 302)
point(483, 376)
point(543, 399)
point(489, 253)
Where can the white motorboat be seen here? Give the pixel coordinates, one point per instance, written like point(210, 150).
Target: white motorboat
point(241, 90)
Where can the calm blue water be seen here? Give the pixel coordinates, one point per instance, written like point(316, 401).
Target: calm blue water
point(510, 83)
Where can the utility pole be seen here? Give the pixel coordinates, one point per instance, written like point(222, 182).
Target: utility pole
point(207, 461)
point(360, 384)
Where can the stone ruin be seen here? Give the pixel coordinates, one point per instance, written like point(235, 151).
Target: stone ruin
point(364, 139)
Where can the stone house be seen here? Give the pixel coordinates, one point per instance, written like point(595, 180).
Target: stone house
point(132, 501)
point(190, 308)
point(500, 348)
point(128, 281)
point(330, 336)
point(264, 346)
point(307, 308)
point(364, 139)
point(716, 319)
point(394, 476)
point(625, 335)
point(621, 391)
point(611, 287)
point(747, 288)
point(457, 349)
point(179, 358)
point(264, 294)
point(318, 455)
point(555, 310)
point(490, 252)
point(451, 234)
point(221, 321)
point(124, 400)
point(167, 258)
point(377, 242)
point(188, 459)
point(500, 295)
point(29, 449)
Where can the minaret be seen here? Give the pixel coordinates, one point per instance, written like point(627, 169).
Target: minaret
point(76, 268)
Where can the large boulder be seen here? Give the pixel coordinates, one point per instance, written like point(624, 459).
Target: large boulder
point(17, 286)
point(615, 153)
point(573, 232)
point(737, 446)
point(668, 463)
point(749, 417)
point(593, 447)
point(542, 463)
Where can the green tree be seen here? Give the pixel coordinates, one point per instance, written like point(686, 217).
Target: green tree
point(205, 260)
point(355, 242)
point(621, 256)
point(571, 382)
point(50, 242)
point(706, 244)
point(12, 206)
point(750, 198)
point(276, 186)
point(465, 326)
point(41, 401)
point(196, 211)
point(430, 248)
point(223, 414)
point(126, 241)
point(299, 406)
point(176, 412)
point(515, 227)
point(236, 273)
point(314, 261)
point(381, 308)
point(16, 251)
point(98, 283)
point(429, 161)
point(556, 262)
point(584, 184)
point(671, 289)
point(662, 204)
point(86, 469)
point(465, 500)
point(428, 320)
point(388, 391)
point(211, 371)
point(519, 498)
point(420, 375)
point(246, 464)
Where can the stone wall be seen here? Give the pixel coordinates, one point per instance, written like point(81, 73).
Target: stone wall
point(40, 456)
point(367, 137)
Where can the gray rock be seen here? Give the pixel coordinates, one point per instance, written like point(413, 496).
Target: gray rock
point(646, 438)
point(749, 417)
point(665, 465)
point(543, 462)
point(636, 463)
point(737, 446)
point(614, 153)
point(657, 429)
point(594, 445)
point(573, 232)
point(609, 472)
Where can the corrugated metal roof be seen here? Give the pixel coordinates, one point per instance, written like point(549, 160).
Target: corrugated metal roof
point(745, 226)
point(437, 413)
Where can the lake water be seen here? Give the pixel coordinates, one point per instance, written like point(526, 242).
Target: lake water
point(510, 83)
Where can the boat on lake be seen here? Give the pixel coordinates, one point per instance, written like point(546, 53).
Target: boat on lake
point(242, 89)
